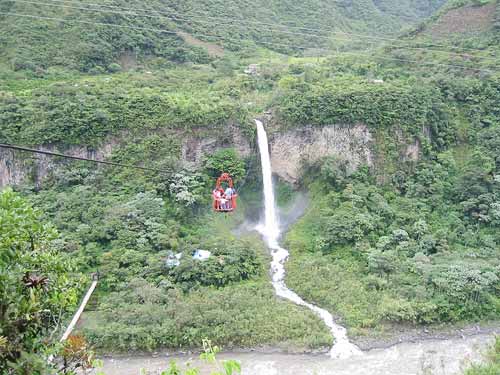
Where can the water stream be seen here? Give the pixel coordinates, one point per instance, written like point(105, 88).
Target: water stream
point(270, 230)
point(433, 357)
point(436, 357)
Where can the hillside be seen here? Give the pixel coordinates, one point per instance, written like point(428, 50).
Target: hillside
point(397, 146)
point(471, 25)
point(462, 37)
point(93, 38)
point(376, 266)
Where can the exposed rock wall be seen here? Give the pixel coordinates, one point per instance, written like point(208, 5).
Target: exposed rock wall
point(17, 167)
point(289, 150)
point(196, 147)
point(21, 167)
point(12, 170)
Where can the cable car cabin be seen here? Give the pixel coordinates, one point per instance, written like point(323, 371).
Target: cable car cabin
point(224, 196)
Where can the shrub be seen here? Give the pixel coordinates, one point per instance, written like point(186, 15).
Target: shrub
point(225, 161)
point(114, 68)
point(36, 287)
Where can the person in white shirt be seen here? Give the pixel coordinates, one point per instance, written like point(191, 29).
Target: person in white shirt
point(228, 194)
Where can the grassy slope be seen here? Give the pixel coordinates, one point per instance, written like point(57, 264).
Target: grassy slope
point(471, 31)
point(410, 10)
point(242, 315)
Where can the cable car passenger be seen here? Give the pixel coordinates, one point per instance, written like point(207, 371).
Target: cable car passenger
point(224, 203)
point(228, 194)
point(217, 199)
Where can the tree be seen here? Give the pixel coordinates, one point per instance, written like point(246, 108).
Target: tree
point(475, 189)
point(345, 228)
point(35, 288)
point(187, 188)
point(335, 171)
point(464, 282)
point(226, 160)
point(382, 262)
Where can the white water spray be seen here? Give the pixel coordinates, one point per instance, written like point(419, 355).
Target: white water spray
point(270, 229)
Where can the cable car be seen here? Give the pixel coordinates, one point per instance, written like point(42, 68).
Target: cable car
point(222, 202)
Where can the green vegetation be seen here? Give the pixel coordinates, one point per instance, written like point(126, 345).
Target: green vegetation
point(225, 161)
point(404, 241)
point(140, 316)
point(351, 100)
point(130, 226)
point(421, 245)
point(86, 111)
point(469, 28)
point(492, 366)
point(37, 288)
point(92, 38)
point(409, 9)
point(398, 259)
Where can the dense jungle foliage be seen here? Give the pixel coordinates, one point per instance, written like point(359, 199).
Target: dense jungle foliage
point(86, 112)
point(403, 241)
point(130, 227)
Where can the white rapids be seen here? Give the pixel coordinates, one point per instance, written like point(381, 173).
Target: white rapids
point(270, 230)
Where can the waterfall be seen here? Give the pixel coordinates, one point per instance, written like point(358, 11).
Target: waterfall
point(270, 229)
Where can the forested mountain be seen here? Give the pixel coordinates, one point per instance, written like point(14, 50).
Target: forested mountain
point(77, 35)
point(402, 116)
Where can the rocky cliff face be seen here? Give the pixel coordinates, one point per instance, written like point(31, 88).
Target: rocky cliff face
point(290, 151)
point(12, 170)
point(22, 167)
point(293, 149)
point(196, 147)
point(19, 167)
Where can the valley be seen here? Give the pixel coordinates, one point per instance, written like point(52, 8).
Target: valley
point(372, 221)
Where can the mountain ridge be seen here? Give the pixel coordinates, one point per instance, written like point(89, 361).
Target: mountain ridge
point(92, 36)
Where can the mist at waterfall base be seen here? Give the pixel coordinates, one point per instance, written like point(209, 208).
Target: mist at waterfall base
point(270, 230)
point(286, 216)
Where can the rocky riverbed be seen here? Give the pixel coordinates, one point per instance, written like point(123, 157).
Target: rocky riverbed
point(428, 357)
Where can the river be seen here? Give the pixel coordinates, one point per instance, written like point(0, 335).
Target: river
point(431, 357)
